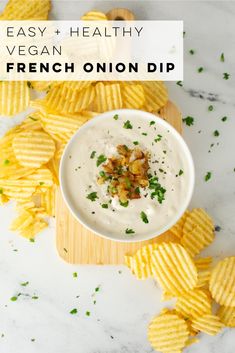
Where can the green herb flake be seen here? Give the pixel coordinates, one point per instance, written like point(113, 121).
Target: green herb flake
point(124, 204)
point(179, 83)
point(92, 156)
point(152, 123)
point(144, 217)
point(1, 191)
point(224, 118)
point(88, 313)
point(14, 299)
point(115, 117)
point(192, 51)
point(181, 172)
point(6, 162)
point(127, 125)
point(137, 190)
point(210, 108)
point(97, 289)
point(200, 69)
point(158, 192)
point(129, 231)
point(135, 142)
point(92, 196)
point(144, 134)
point(101, 159)
point(34, 297)
point(24, 284)
point(102, 174)
point(41, 183)
point(32, 240)
point(216, 133)
point(189, 120)
point(29, 84)
point(104, 205)
point(226, 76)
point(222, 57)
point(128, 183)
point(75, 275)
point(73, 311)
point(184, 33)
point(158, 138)
point(208, 176)
point(32, 118)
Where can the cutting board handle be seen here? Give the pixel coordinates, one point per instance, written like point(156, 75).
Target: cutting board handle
point(120, 14)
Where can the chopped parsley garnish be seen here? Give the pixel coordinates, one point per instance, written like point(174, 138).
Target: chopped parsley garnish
point(226, 76)
point(1, 191)
point(101, 159)
point(24, 284)
point(92, 196)
point(137, 190)
point(144, 217)
point(34, 297)
point(210, 108)
point(124, 204)
point(158, 190)
point(29, 84)
point(216, 133)
point(102, 174)
point(32, 240)
point(222, 57)
point(200, 69)
point(6, 162)
point(88, 313)
point(14, 299)
point(189, 120)
point(191, 51)
point(41, 183)
point(32, 118)
point(105, 205)
point(158, 138)
point(129, 231)
point(179, 83)
point(208, 176)
point(184, 33)
point(128, 183)
point(115, 117)
point(152, 123)
point(73, 311)
point(135, 142)
point(92, 156)
point(97, 289)
point(144, 134)
point(127, 125)
point(75, 274)
point(181, 172)
point(224, 118)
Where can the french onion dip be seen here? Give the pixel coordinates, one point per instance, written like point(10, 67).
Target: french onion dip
point(126, 176)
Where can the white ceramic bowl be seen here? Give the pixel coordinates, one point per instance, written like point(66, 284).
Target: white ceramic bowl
point(76, 207)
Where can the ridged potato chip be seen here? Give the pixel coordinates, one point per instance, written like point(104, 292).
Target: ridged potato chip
point(209, 324)
point(203, 263)
point(14, 97)
point(168, 333)
point(203, 278)
point(133, 96)
point(48, 201)
point(222, 282)
point(94, 16)
point(227, 316)
point(173, 268)
point(177, 229)
point(41, 85)
point(198, 231)
point(155, 94)
point(26, 10)
point(193, 304)
point(108, 97)
point(33, 148)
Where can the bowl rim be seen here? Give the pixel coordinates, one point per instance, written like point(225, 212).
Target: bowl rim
point(184, 147)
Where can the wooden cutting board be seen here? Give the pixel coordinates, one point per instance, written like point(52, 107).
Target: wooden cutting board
point(77, 245)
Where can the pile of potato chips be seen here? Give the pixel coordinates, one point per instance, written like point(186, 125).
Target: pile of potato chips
point(30, 152)
point(193, 281)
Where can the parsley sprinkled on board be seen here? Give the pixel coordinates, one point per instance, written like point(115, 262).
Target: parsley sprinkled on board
point(216, 133)
point(224, 118)
point(200, 69)
point(181, 172)
point(88, 313)
point(97, 289)
point(158, 138)
point(101, 159)
point(129, 231)
point(179, 83)
point(192, 51)
point(75, 274)
point(73, 311)
point(6, 162)
point(226, 76)
point(127, 125)
point(210, 108)
point(152, 123)
point(24, 284)
point(135, 142)
point(124, 204)
point(189, 120)
point(208, 176)
point(92, 196)
point(115, 117)
point(104, 205)
point(144, 217)
point(222, 57)
point(14, 299)
point(92, 156)
point(32, 240)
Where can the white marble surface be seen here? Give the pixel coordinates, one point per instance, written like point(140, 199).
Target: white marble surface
point(124, 306)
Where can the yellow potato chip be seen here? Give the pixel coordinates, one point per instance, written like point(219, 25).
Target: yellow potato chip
point(77, 86)
point(203, 263)
point(193, 304)
point(209, 324)
point(3, 198)
point(94, 16)
point(33, 148)
point(168, 333)
point(17, 192)
point(34, 228)
point(133, 96)
point(227, 316)
point(84, 99)
point(14, 97)
point(48, 201)
point(173, 268)
point(32, 122)
point(222, 282)
point(203, 278)
point(155, 94)
point(198, 231)
point(177, 229)
point(26, 10)
point(108, 97)
point(41, 85)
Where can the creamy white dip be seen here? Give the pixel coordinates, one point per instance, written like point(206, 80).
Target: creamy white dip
point(170, 161)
